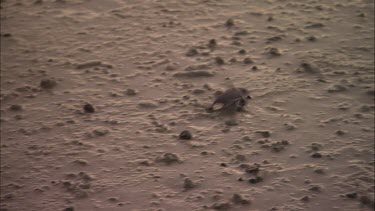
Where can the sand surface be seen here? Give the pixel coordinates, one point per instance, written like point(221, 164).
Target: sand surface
point(150, 68)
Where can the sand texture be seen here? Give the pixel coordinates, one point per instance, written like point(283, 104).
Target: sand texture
point(104, 105)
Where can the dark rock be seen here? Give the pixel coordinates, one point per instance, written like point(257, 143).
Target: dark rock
point(69, 209)
point(212, 43)
point(315, 188)
point(315, 25)
point(219, 60)
point(192, 52)
point(273, 51)
point(305, 199)
point(221, 206)
point(88, 108)
point(130, 92)
point(229, 22)
point(307, 68)
point(340, 132)
point(311, 38)
point(188, 184)
point(48, 83)
point(252, 169)
point(254, 68)
point(352, 195)
point(248, 61)
point(185, 135)
point(255, 180)
point(316, 155)
point(15, 107)
point(242, 51)
point(238, 199)
point(169, 158)
point(264, 133)
point(223, 164)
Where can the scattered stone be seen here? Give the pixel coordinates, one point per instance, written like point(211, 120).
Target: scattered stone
point(241, 33)
point(279, 145)
point(248, 61)
point(289, 126)
point(188, 184)
point(307, 68)
point(212, 43)
point(340, 132)
point(229, 23)
point(316, 155)
point(315, 146)
point(273, 51)
point(238, 199)
point(352, 195)
point(223, 165)
point(69, 209)
point(274, 39)
point(168, 158)
point(242, 51)
point(264, 133)
point(319, 171)
point(252, 169)
point(198, 91)
point(88, 108)
point(254, 68)
point(100, 132)
point(147, 104)
point(81, 162)
point(221, 206)
point(38, 2)
point(48, 83)
point(130, 92)
point(185, 135)
point(255, 180)
point(270, 18)
point(194, 74)
point(192, 52)
point(6, 35)
point(314, 25)
point(311, 38)
point(231, 122)
point(305, 199)
point(113, 199)
point(219, 60)
point(315, 188)
point(15, 107)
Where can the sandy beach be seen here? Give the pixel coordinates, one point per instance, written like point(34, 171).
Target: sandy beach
point(104, 105)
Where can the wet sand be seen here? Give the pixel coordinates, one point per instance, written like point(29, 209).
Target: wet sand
point(95, 94)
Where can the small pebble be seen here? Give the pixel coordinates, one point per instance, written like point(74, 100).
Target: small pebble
point(248, 61)
point(238, 199)
point(130, 92)
point(219, 60)
point(15, 107)
point(352, 195)
point(185, 135)
point(316, 155)
point(229, 23)
point(47, 83)
point(88, 108)
point(188, 184)
point(212, 43)
point(69, 209)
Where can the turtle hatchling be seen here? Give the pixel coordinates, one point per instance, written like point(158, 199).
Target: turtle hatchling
point(234, 98)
